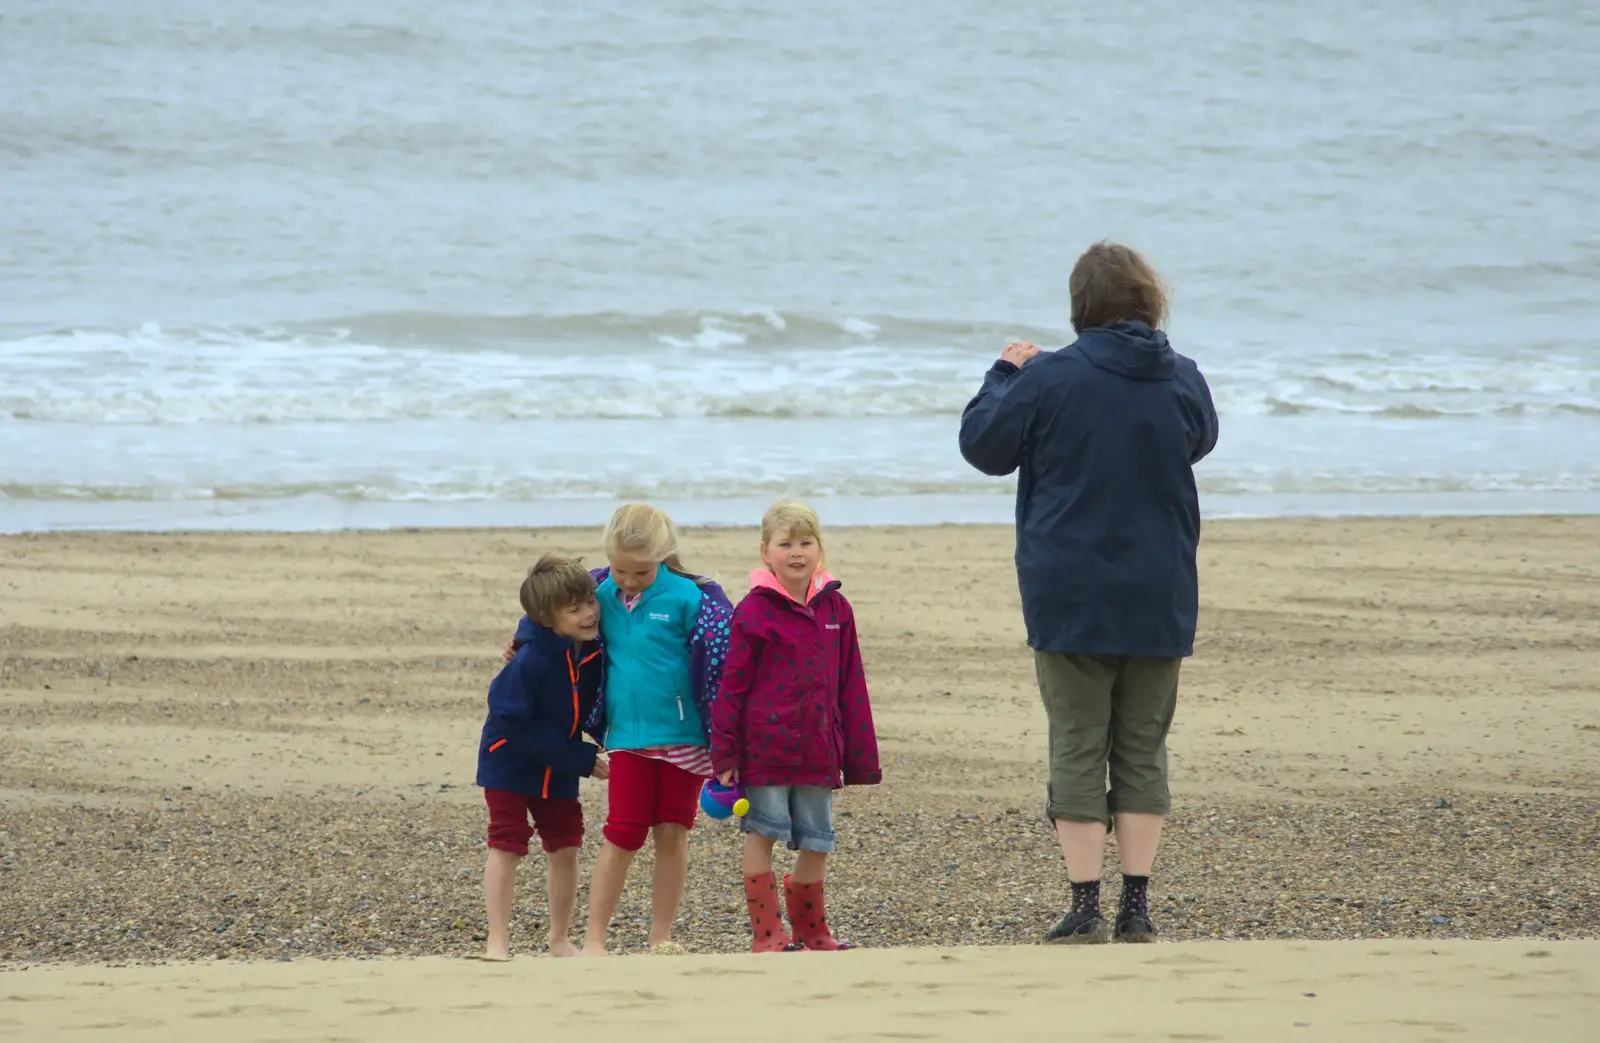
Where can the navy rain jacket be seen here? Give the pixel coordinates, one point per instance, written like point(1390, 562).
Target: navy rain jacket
point(532, 741)
point(1106, 433)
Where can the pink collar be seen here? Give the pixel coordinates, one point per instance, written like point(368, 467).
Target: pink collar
point(764, 579)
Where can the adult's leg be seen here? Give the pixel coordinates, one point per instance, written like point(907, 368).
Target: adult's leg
point(1076, 691)
point(1144, 700)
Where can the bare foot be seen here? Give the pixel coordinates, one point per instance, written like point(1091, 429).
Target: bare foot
point(563, 948)
point(592, 952)
point(667, 948)
point(495, 956)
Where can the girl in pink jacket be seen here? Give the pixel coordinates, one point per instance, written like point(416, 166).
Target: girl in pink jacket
point(792, 723)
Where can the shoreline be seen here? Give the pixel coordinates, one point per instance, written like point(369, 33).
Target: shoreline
point(316, 514)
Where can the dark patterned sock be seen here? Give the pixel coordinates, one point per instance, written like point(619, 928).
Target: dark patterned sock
point(1086, 898)
point(1133, 894)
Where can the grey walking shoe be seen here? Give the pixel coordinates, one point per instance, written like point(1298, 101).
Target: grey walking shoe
point(1078, 929)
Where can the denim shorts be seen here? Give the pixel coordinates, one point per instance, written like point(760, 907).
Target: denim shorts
point(800, 816)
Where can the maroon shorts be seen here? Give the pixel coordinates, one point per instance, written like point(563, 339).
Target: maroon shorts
point(645, 792)
point(513, 817)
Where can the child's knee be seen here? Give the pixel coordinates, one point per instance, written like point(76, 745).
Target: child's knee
point(629, 836)
point(670, 839)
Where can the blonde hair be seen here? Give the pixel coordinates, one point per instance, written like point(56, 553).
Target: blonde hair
point(795, 520)
point(555, 582)
point(645, 532)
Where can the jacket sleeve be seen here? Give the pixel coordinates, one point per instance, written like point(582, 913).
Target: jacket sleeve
point(708, 649)
point(595, 723)
point(513, 704)
point(727, 710)
point(1209, 428)
point(861, 767)
point(995, 422)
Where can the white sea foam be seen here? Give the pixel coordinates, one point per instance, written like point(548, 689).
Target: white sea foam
point(157, 375)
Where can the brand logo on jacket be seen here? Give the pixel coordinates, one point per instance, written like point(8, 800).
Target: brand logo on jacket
point(661, 617)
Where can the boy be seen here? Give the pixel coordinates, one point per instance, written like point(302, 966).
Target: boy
point(531, 754)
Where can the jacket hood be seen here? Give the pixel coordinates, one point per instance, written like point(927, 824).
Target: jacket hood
point(707, 586)
point(763, 579)
point(1129, 349)
point(546, 640)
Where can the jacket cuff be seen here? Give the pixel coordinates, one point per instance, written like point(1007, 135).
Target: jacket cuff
point(1003, 368)
point(590, 754)
point(863, 778)
point(724, 762)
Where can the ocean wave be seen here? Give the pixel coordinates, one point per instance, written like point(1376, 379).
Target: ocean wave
point(767, 327)
point(414, 366)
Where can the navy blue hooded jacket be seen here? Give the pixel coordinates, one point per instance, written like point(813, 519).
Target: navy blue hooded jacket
point(532, 740)
point(1106, 432)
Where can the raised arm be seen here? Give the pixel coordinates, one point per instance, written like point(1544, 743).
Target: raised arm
point(995, 422)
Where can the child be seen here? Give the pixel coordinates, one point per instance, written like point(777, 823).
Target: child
point(792, 723)
point(530, 755)
point(666, 632)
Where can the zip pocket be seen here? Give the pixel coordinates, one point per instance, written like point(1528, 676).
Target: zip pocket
point(680, 707)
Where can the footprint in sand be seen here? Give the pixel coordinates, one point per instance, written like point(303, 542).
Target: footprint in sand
point(1180, 959)
point(250, 1010)
point(1448, 1027)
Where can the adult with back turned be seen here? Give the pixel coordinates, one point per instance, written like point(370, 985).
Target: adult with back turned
point(1105, 433)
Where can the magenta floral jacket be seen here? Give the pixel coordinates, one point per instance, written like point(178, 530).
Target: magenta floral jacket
point(793, 708)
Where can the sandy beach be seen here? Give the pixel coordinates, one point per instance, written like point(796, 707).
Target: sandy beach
point(1267, 992)
point(255, 749)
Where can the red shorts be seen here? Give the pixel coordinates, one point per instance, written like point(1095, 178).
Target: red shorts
point(559, 822)
point(645, 792)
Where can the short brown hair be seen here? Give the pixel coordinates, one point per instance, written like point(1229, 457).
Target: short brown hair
point(1111, 283)
point(555, 582)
